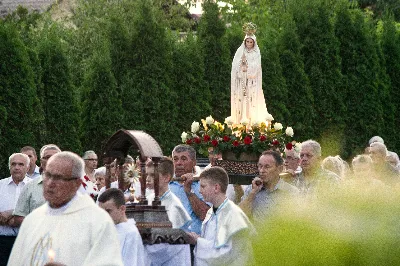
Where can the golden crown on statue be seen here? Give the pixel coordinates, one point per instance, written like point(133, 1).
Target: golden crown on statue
point(249, 28)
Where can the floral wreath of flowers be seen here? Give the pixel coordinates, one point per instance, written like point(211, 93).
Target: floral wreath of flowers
point(251, 138)
point(249, 28)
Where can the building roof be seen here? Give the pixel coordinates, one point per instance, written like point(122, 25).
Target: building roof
point(8, 6)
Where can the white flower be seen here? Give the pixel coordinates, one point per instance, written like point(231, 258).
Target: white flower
point(297, 146)
point(244, 121)
point(289, 131)
point(209, 120)
point(229, 121)
point(184, 136)
point(278, 126)
point(195, 127)
point(269, 117)
point(256, 123)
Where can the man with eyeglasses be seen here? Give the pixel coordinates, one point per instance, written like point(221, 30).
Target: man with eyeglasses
point(268, 189)
point(32, 195)
point(90, 158)
point(10, 189)
point(70, 229)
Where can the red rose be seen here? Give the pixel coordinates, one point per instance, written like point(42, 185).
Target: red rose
point(227, 138)
point(275, 143)
point(235, 143)
point(214, 142)
point(197, 140)
point(263, 138)
point(289, 146)
point(206, 138)
point(247, 140)
point(189, 141)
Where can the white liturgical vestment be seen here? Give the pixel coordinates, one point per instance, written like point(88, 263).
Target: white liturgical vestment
point(166, 254)
point(79, 233)
point(225, 237)
point(132, 248)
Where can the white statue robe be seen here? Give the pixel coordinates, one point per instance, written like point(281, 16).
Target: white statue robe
point(225, 237)
point(79, 233)
point(252, 106)
point(166, 254)
point(132, 248)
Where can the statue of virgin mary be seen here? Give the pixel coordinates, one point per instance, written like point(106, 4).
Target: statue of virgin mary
point(247, 97)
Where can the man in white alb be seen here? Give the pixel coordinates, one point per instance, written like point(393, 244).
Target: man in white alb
point(70, 228)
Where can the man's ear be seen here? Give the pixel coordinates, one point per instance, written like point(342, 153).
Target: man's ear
point(122, 208)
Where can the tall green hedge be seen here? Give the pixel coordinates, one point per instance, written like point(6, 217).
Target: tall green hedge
point(17, 96)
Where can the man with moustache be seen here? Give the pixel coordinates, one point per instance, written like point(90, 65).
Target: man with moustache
point(188, 189)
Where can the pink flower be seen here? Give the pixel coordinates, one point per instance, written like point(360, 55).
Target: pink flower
point(206, 138)
point(227, 138)
point(263, 138)
point(275, 142)
point(197, 140)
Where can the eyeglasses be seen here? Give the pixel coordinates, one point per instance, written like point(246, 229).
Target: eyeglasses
point(58, 178)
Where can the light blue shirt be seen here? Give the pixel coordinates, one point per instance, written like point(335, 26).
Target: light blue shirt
point(179, 191)
point(35, 174)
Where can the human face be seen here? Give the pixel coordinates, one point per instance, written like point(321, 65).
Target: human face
point(249, 43)
point(91, 161)
point(308, 160)
point(46, 156)
point(100, 181)
point(116, 214)
point(183, 164)
point(291, 162)
point(268, 169)
point(32, 159)
point(208, 190)
point(18, 168)
point(377, 155)
point(59, 186)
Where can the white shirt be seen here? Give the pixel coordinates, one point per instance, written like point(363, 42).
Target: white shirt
point(9, 194)
point(131, 243)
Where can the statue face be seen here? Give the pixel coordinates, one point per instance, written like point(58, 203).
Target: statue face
point(249, 43)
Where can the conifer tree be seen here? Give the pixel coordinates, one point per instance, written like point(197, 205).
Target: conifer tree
point(59, 99)
point(274, 84)
point(216, 60)
point(390, 39)
point(300, 101)
point(193, 93)
point(360, 67)
point(148, 102)
point(101, 106)
point(320, 51)
point(17, 90)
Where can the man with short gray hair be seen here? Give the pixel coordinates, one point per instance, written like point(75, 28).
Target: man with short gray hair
point(32, 195)
point(382, 168)
point(70, 229)
point(313, 175)
point(10, 189)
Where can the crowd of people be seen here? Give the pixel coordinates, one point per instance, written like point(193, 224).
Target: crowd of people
point(54, 214)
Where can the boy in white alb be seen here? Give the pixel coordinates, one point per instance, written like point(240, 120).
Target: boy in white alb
point(226, 230)
point(165, 254)
point(113, 202)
